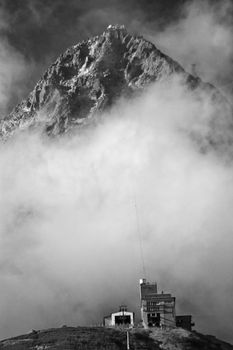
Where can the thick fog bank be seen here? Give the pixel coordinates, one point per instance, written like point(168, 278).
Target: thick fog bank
point(70, 247)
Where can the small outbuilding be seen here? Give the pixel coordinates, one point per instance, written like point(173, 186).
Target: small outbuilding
point(185, 321)
point(122, 318)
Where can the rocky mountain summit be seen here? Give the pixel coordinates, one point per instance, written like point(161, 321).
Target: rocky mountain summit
point(90, 338)
point(88, 77)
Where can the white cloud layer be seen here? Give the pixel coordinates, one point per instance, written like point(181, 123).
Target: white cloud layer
point(69, 242)
point(201, 40)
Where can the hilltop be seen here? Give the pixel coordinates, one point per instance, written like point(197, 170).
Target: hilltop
point(90, 338)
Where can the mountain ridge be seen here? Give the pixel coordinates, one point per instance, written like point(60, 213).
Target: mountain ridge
point(90, 76)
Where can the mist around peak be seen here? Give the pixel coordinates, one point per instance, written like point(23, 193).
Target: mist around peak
point(69, 243)
point(69, 250)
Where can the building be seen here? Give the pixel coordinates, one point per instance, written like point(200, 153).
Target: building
point(185, 321)
point(122, 318)
point(157, 309)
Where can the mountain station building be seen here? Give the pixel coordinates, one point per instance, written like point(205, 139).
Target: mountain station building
point(157, 309)
point(122, 318)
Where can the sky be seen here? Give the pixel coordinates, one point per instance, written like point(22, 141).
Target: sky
point(69, 231)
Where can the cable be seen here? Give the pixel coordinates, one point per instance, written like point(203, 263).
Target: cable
point(140, 238)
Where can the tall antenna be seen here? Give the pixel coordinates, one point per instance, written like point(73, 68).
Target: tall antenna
point(140, 238)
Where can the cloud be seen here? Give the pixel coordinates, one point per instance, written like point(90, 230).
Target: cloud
point(18, 69)
point(201, 40)
point(13, 69)
point(68, 230)
point(69, 244)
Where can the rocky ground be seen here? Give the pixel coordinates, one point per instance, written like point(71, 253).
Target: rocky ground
point(90, 338)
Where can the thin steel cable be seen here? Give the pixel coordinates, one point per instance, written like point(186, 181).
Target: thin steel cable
point(140, 238)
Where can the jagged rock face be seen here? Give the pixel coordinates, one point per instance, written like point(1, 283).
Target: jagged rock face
point(88, 78)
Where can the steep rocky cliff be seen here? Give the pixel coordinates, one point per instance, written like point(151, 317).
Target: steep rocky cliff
point(88, 77)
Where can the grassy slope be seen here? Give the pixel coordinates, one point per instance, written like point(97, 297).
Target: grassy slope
point(90, 338)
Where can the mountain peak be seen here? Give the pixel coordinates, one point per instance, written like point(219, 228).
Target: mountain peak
point(117, 27)
point(115, 31)
point(88, 77)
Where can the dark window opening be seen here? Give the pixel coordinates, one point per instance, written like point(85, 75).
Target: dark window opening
point(122, 320)
point(153, 321)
